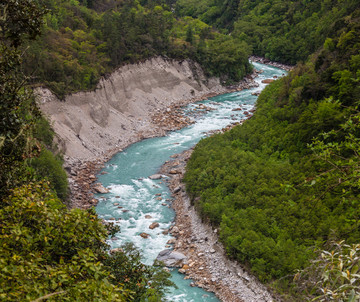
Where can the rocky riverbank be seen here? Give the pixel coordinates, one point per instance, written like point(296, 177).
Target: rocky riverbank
point(81, 170)
point(207, 264)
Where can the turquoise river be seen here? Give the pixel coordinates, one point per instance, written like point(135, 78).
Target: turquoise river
point(130, 186)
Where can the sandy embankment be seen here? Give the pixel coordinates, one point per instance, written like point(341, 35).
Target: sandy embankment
point(126, 107)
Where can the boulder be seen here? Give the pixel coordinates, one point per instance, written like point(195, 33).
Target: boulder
point(174, 172)
point(177, 189)
point(171, 241)
point(155, 176)
point(267, 81)
point(172, 258)
point(144, 235)
point(99, 188)
point(154, 225)
point(174, 229)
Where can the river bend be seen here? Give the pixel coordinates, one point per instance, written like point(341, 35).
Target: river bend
point(135, 201)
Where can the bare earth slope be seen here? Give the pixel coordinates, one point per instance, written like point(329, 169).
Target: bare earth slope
point(119, 111)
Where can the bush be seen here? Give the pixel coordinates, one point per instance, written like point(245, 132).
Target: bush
point(49, 166)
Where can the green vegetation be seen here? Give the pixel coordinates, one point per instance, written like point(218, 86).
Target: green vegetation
point(336, 274)
point(79, 44)
point(287, 181)
point(49, 252)
point(285, 31)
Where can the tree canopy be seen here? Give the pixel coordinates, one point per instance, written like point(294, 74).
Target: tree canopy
point(286, 181)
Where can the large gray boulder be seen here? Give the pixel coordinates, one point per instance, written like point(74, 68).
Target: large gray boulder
point(172, 258)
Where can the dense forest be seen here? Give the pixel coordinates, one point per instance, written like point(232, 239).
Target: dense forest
point(84, 40)
point(285, 31)
point(279, 188)
point(286, 182)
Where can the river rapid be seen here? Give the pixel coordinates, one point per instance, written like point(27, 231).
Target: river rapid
point(135, 201)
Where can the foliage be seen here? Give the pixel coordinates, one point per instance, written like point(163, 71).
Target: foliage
point(81, 44)
point(48, 166)
point(286, 31)
point(286, 181)
point(23, 129)
point(44, 133)
point(335, 274)
point(147, 283)
point(18, 110)
point(48, 249)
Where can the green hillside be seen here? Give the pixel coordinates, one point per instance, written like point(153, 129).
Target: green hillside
point(285, 31)
point(287, 181)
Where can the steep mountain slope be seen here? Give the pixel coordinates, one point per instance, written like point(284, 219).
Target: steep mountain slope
point(277, 186)
point(285, 31)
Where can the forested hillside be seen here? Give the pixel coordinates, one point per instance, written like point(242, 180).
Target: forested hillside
point(286, 182)
point(84, 40)
point(285, 31)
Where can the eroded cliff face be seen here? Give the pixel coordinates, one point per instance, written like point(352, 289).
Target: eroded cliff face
point(119, 111)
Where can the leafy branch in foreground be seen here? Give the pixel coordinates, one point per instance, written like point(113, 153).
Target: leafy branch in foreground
point(336, 274)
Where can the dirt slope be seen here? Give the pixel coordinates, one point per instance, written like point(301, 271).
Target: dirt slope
point(119, 111)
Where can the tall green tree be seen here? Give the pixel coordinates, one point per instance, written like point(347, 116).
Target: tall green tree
point(19, 20)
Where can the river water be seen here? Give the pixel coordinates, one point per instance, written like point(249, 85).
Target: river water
point(133, 195)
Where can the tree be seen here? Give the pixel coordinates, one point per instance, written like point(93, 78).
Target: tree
point(190, 35)
point(19, 20)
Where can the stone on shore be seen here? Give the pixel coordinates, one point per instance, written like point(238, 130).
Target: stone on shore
point(116, 250)
point(99, 188)
point(172, 258)
point(177, 189)
point(267, 81)
point(173, 172)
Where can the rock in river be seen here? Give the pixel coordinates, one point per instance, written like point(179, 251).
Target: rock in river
point(155, 176)
point(154, 225)
point(172, 258)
